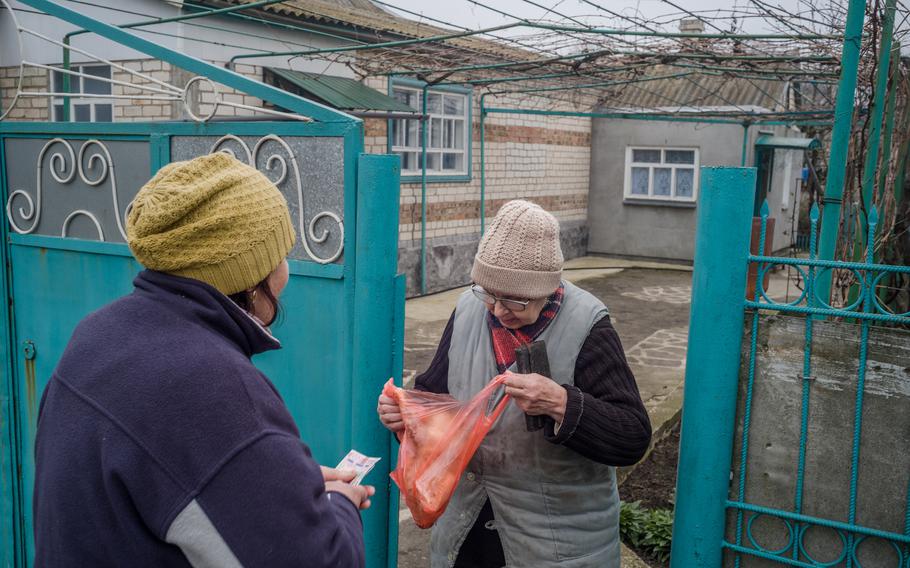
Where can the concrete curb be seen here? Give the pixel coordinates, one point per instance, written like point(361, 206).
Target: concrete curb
point(629, 559)
point(602, 262)
point(664, 417)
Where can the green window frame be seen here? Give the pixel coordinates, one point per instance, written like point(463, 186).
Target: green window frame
point(449, 138)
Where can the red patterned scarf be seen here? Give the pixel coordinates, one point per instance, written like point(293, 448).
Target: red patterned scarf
point(506, 341)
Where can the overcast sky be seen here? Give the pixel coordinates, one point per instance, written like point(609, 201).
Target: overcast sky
point(660, 13)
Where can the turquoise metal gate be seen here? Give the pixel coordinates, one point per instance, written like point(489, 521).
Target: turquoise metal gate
point(67, 188)
point(715, 519)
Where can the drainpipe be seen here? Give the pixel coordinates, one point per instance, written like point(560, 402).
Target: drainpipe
point(746, 125)
point(840, 141)
point(483, 172)
point(423, 193)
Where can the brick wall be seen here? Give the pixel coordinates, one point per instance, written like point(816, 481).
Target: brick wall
point(201, 97)
point(543, 159)
point(27, 108)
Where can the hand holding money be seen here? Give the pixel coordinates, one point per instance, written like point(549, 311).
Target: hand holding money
point(345, 478)
point(358, 463)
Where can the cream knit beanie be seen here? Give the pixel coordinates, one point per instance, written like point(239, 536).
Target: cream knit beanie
point(520, 254)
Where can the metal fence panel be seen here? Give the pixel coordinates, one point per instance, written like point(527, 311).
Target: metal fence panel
point(772, 448)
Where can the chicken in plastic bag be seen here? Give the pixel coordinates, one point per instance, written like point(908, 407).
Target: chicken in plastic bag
point(440, 436)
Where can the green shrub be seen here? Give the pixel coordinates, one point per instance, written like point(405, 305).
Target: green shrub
point(648, 530)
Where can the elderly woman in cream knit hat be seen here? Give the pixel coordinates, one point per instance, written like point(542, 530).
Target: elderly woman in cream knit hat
point(159, 442)
point(548, 497)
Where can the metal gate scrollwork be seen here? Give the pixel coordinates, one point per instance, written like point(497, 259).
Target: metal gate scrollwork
point(64, 165)
point(277, 161)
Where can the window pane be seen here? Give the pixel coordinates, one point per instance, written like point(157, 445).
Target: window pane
point(83, 113)
point(403, 132)
point(436, 133)
point(104, 113)
point(647, 156)
point(447, 134)
point(685, 179)
point(432, 162)
point(662, 181)
point(640, 181)
point(58, 113)
point(401, 96)
point(453, 162)
point(680, 156)
point(434, 103)
point(458, 126)
point(93, 86)
point(408, 97)
point(410, 134)
point(408, 161)
point(398, 128)
point(454, 104)
point(57, 81)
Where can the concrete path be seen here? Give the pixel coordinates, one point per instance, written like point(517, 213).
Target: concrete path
point(649, 305)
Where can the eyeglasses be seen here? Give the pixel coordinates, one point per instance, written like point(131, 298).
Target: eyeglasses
point(507, 303)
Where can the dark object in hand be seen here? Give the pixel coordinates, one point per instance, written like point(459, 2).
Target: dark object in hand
point(532, 358)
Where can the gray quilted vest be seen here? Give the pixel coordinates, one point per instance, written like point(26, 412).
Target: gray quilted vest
point(553, 507)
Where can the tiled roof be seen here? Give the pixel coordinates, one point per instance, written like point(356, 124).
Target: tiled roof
point(696, 90)
point(366, 17)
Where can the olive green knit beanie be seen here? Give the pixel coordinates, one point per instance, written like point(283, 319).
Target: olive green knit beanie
point(213, 219)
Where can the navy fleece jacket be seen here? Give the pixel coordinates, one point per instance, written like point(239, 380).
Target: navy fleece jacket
point(160, 444)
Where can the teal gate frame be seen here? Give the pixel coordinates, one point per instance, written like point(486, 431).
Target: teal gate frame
point(343, 328)
point(707, 465)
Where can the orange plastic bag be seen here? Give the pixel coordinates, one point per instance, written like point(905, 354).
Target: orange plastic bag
point(440, 436)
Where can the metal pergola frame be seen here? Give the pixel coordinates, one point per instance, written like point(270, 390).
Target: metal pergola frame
point(698, 61)
point(688, 541)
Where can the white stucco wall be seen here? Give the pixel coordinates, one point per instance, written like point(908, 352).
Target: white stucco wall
point(667, 230)
point(217, 38)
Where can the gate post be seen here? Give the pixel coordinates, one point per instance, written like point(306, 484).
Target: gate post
point(716, 320)
point(375, 321)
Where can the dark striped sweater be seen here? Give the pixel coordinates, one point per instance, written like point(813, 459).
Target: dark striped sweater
point(605, 419)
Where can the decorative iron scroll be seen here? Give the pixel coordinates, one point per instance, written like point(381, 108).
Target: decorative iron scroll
point(93, 164)
point(869, 278)
point(277, 161)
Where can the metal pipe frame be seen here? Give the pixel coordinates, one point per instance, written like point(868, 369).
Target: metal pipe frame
point(879, 102)
point(840, 139)
point(204, 13)
point(380, 45)
point(581, 30)
point(228, 78)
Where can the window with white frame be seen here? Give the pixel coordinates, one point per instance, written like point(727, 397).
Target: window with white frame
point(661, 174)
point(448, 132)
point(84, 108)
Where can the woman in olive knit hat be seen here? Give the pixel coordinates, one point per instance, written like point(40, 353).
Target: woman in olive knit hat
point(159, 443)
point(542, 498)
